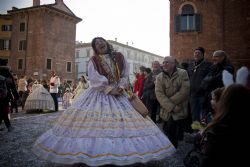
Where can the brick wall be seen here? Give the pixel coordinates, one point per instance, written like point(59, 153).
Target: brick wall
point(50, 35)
point(237, 31)
point(225, 25)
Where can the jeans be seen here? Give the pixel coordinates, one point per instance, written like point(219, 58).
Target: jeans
point(54, 96)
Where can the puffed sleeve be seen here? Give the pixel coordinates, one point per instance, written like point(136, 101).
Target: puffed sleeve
point(97, 81)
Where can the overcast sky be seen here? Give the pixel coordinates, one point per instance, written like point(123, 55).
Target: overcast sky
point(144, 24)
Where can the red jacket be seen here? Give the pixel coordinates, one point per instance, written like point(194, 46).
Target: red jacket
point(138, 87)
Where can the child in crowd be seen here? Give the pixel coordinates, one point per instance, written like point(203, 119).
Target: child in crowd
point(216, 94)
point(67, 97)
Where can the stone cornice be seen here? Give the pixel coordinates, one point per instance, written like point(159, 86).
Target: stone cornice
point(80, 45)
point(5, 16)
point(46, 8)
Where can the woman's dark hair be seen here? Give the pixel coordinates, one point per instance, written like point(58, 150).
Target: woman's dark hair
point(148, 70)
point(84, 79)
point(94, 47)
point(217, 93)
point(142, 68)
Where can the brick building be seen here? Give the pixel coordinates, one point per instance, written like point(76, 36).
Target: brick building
point(5, 36)
point(212, 24)
point(43, 39)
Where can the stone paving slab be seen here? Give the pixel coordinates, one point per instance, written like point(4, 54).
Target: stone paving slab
point(15, 146)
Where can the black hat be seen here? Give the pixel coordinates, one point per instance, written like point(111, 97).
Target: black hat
point(201, 49)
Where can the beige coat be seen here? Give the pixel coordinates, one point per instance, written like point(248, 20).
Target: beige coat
point(171, 91)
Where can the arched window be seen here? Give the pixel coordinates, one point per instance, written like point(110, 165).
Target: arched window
point(187, 10)
point(188, 20)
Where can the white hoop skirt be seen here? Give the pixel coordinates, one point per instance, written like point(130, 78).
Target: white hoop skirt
point(101, 129)
point(40, 98)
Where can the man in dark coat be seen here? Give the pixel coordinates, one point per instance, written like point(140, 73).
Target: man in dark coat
point(149, 85)
point(213, 79)
point(197, 71)
point(11, 91)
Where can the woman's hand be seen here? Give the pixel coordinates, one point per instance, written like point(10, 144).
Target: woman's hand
point(116, 91)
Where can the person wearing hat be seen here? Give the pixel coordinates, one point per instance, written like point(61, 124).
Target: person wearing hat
point(197, 71)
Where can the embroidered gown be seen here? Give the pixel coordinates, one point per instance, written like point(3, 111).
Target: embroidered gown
point(100, 128)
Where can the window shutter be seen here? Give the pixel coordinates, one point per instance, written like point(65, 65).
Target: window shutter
point(9, 44)
point(1, 44)
point(177, 23)
point(198, 23)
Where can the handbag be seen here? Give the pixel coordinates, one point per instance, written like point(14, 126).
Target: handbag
point(138, 105)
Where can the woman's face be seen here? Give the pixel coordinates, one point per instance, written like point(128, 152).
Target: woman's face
point(101, 46)
point(214, 103)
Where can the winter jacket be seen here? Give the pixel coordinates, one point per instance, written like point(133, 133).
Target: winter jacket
point(171, 91)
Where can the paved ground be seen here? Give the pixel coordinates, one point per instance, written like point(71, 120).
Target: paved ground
point(15, 146)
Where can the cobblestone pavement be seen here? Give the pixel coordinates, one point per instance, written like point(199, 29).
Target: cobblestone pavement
point(15, 146)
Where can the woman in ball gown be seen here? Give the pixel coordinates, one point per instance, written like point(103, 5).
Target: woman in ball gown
point(39, 99)
point(83, 85)
point(102, 127)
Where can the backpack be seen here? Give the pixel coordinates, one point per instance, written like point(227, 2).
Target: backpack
point(3, 87)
